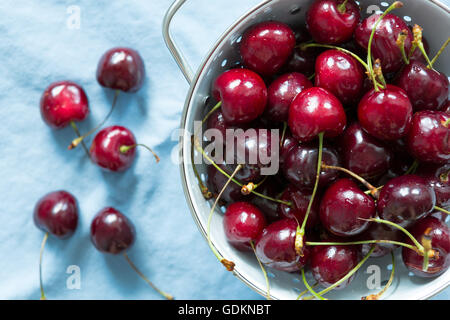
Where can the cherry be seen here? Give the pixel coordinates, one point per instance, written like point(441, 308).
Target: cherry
point(343, 206)
point(380, 231)
point(386, 114)
point(332, 21)
point(288, 143)
point(316, 110)
point(428, 139)
point(426, 88)
point(272, 187)
point(341, 74)
point(57, 214)
point(302, 61)
point(406, 199)
point(275, 247)
point(363, 154)
point(243, 222)
point(121, 69)
point(300, 165)
point(266, 46)
point(329, 264)
point(437, 177)
point(243, 95)
point(439, 234)
point(384, 45)
point(63, 102)
point(299, 199)
point(282, 92)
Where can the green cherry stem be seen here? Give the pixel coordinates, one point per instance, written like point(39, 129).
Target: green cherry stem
point(205, 191)
point(263, 271)
point(77, 132)
point(342, 7)
point(310, 289)
point(306, 291)
point(217, 106)
point(41, 253)
point(412, 169)
point(310, 243)
point(388, 284)
point(440, 52)
point(125, 149)
point(401, 44)
point(441, 210)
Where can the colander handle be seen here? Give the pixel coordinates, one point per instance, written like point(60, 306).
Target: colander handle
point(173, 48)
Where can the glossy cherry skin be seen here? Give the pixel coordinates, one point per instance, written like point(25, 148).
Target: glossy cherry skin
point(272, 187)
point(341, 74)
point(300, 165)
point(343, 206)
point(316, 110)
point(57, 214)
point(380, 231)
point(438, 177)
point(242, 223)
point(63, 102)
point(289, 142)
point(265, 47)
point(363, 154)
point(282, 92)
point(329, 264)
point(427, 89)
point(440, 241)
point(112, 232)
point(300, 199)
point(386, 114)
point(105, 148)
point(428, 139)
point(243, 94)
point(121, 69)
point(276, 247)
point(327, 24)
point(384, 46)
point(406, 199)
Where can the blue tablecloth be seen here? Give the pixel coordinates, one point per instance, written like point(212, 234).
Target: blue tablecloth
point(40, 43)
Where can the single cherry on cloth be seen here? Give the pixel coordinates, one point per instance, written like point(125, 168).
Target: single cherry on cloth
point(121, 69)
point(243, 95)
point(386, 114)
point(266, 46)
point(341, 74)
point(243, 222)
point(276, 247)
point(299, 199)
point(282, 92)
point(329, 264)
point(332, 21)
point(316, 110)
point(429, 137)
point(63, 102)
point(438, 232)
point(406, 199)
point(426, 88)
point(343, 206)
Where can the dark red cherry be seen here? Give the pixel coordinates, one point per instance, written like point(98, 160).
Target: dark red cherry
point(341, 74)
point(242, 223)
point(282, 92)
point(265, 47)
point(386, 114)
point(329, 264)
point(289, 142)
point(302, 61)
point(429, 138)
point(300, 199)
point(121, 69)
point(243, 94)
point(440, 242)
point(406, 199)
point(57, 213)
point(112, 232)
point(272, 187)
point(328, 23)
point(105, 148)
point(380, 231)
point(384, 45)
point(427, 89)
point(438, 178)
point(316, 110)
point(276, 247)
point(363, 154)
point(63, 102)
point(300, 165)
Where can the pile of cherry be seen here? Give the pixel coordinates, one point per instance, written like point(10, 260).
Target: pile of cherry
point(113, 148)
point(364, 150)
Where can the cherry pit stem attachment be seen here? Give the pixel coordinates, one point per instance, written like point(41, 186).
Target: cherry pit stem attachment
point(77, 132)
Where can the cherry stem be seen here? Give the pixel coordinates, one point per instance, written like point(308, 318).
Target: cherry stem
point(308, 243)
point(125, 149)
point(78, 140)
point(440, 52)
point(306, 291)
point(441, 210)
point(41, 253)
point(342, 7)
point(347, 276)
point(310, 289)
point(401, 44)
point(301, 231)
point(249, 187)
point(263, 271)
point(205, 191)
point(228, 264)
point(426, 242)
point(283, 134)
point(133, 266)
point(418, 43)
point(372, 190)
point(446, 123)
point(388, 284)
point(413, 167)
point(77, 132)
point(217, 106)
